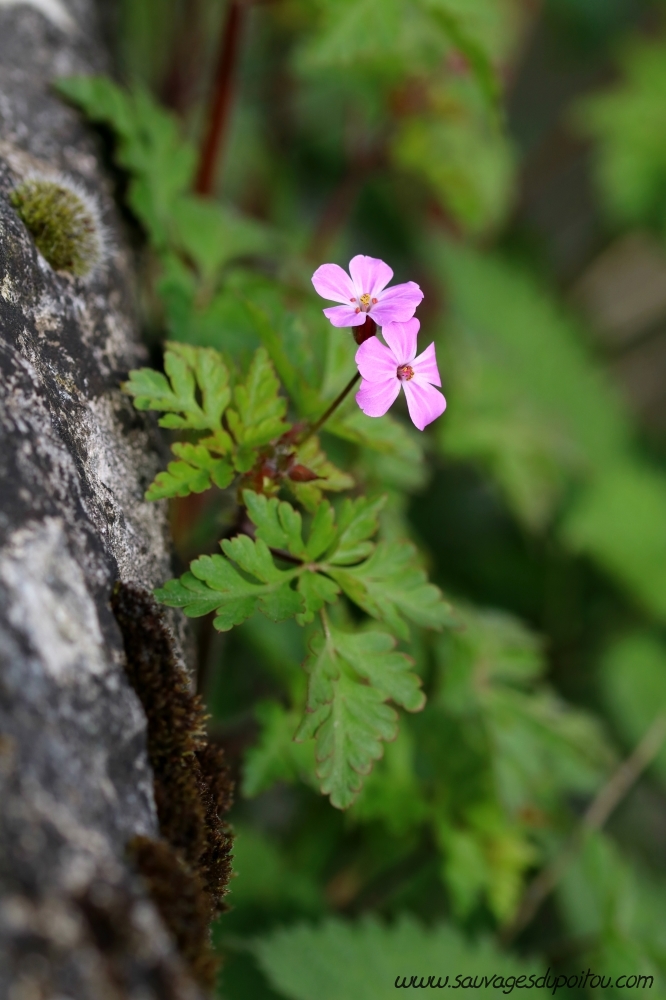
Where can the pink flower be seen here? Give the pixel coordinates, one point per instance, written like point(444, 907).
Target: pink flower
point(365, 293)
point(386, 368)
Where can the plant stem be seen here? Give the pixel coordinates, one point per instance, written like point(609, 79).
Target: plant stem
point(596, 815)
point(220, 106)
point(332, 408)
point(361, 334)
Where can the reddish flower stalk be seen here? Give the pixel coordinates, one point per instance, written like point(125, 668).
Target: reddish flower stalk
point(220, 106)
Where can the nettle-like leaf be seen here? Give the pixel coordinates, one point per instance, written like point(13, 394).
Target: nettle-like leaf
point(352, 676)
point(366, 960)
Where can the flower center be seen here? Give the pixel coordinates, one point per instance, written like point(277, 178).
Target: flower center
point(405, 372)
point(365, 302)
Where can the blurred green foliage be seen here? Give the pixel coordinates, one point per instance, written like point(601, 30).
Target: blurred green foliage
point(537, 501)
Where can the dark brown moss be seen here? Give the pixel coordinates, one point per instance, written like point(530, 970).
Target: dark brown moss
point(193, 790)
point(110, 913)
point(181, 901)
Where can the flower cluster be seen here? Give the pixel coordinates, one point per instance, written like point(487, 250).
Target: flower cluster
point(384, 367)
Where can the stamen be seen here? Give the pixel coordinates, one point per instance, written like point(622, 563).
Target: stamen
point(358, 309)
point(365, 300)
point(405, 372)
point(374, 302)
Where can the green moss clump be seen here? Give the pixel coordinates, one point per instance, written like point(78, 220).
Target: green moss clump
point(64, 223)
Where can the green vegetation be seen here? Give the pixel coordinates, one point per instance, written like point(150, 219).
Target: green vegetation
point(469, 732)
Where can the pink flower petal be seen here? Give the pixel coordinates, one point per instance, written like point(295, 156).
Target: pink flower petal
point(401, 338)
point(425, 365)
point(331, 282)
point(375, 398)
point(369, 275)
point(344, 316)
point(424, 402)
point(397, 304)
point(376, 362)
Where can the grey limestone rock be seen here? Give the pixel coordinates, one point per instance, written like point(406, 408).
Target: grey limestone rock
point(75, 459)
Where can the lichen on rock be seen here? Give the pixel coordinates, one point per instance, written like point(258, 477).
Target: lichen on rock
point(76, 784)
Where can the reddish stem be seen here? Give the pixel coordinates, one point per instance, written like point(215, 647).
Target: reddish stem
point(220, 106)
point(183, 74)
point(361, 334)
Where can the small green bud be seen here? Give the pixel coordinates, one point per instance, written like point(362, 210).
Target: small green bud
point(64, 221)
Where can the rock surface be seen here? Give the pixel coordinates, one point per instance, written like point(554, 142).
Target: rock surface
point(75, 459)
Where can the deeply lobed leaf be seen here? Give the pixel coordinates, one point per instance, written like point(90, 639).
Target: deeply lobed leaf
point(259, 411)
point(391, 586)
point(196, 472)
point(189, 370)
point(350, 719)
point(215, 584)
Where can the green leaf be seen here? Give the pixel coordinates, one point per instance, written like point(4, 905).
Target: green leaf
point(150, 147)
point(322, 531)
point(220, 586)
point(290, 364)
point(462, 155)
point(161, 162)
point(387, 436)
point(619, 521)
point(196, 472)
point(349, 719)
point(633, 685)
point(190, 594)
point(349, 738)
point(531, 407)
point(323, 669)
point(491, 671)
point(391, 586)
point(405, 34)
point(188, 369)
point(194, 394)
point(277, 523)
point(372, 656)
point(490, 855)
point(275, 757)
point(358, 521)
point(210, 233)
point(316, 590)
point(259, 411)
point(628, 121)
point(617, 907)
point(362, 960)
point(393, 792)
point(266, 876)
